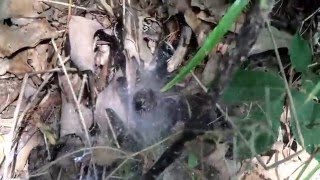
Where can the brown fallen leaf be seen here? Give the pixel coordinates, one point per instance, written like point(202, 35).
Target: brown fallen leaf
point(18, 64)
point(69, 119)
point(81, 36)
point(13, 38)
point(109, 98)
point(181, 51)
point(38, 57)
point(200, 28)
point(18, 9)
point(218, 160)
point(210, 71)
point(289, 169)
point(264, 42)
point(217, 7)
point(9, 92)
point(30, 138)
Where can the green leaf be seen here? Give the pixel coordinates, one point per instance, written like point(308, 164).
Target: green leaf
point(252, 85)
point(260, 128)
point(213, 39)
point(310, 85)
point(193, 160)
point(300, 53)
point(309, 120)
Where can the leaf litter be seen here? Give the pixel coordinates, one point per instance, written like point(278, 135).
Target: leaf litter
point(123, 55)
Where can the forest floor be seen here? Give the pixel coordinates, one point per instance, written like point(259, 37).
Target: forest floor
point(150, 89)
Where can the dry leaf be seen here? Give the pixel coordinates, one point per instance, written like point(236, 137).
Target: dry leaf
point(70, 120)
point(217, 7)
point(264, 42)
point(103, 55)
point(210, 70)
point(287, 170)
point(13, 38)
point(131, 37)
point(39, 56)
point(29, 139)
point(2, 145)
point(81, 36)
point(18, 9)
point(218, 160)
point(181, 51)
point(9, 92)
point(109, 98)
point(19, 64)
point(4, 66)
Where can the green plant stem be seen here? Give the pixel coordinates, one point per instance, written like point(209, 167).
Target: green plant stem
point(214, 37)
point(286, 84)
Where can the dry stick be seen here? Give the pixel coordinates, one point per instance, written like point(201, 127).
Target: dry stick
point(8, 148)
point(73, 93)
point(112, 131)
point(107, 7)
point(306, 19)
point(51, 71)
point(64, 4)
point(31, 103)
point(6, 104)
point(295, 116)
point(139, 152)
point(83, 123)
point(68, 155)
point(83, 83)
point(203, 87)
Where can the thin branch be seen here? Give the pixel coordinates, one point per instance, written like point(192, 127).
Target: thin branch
point(64, 4)
point(295, 116)
point(84, 126)
point(112, 131)
point(8, 154)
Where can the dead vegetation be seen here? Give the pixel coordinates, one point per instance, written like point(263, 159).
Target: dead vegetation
point(82, 90)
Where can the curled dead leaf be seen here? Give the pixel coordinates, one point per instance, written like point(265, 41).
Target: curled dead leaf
point(25, 151)
point(13, 39)
point(81, 35)
point(181, 51)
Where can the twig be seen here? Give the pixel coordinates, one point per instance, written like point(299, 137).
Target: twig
point(84, 126)
point(295, 116)
point(139, 152)
point(47, 146)
point(8, 148)
point(107, 7)
point(64, 4)
point(112, 131)
point(83, 83)
point(46, 167)
point(51, 71)
point(307, 18)
point(199, 82)
point(82, 121)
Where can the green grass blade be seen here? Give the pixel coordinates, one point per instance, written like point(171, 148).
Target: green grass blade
point(214, 37)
